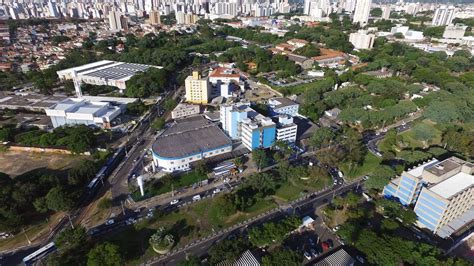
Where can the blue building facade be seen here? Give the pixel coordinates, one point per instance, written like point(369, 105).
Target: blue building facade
point(430, 209)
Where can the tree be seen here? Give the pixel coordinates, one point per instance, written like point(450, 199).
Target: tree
point(389, 224)
point(331, 156)
point(239, 162)
point(259, 156)
point(424, 132)
point(105, 254)
point(40, 205)
point(282, 256)
point(147, 83)
point(190, 261)
point(227, 250)
point(161, 241)
point(136, 108)
point(458, 63)
point(71, 238)
point(323, 137)
point(82, 173)
point(309, 50)
point(158, 123)
point(262, 183)
point(380, 177)
point(442, 112)
point(434, 32)
point(58, 199)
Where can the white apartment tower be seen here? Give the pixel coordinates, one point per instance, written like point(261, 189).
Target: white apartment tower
point(444, 15)
point(115, 22)
point(362, 40)
point(362, 12)
point(386, 12)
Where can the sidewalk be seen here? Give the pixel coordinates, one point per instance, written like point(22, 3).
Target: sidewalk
point(166, 198)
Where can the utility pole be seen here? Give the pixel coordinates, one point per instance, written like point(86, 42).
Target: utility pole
point(49, 225)
point(123, 209)
point(27, 238)
point(70, 222)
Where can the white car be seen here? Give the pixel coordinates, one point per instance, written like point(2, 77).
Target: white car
point(307, 255)
point(197, 198)
point(173, 202)
point(109, 222)
point(217, 190)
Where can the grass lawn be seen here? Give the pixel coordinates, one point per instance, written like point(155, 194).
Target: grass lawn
point(288, 192)
point(409, 139)
point(297, 89)
point(371, 162)
point(161, 186)
point(293, 189)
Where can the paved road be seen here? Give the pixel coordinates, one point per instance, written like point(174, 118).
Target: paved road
point(142, 138)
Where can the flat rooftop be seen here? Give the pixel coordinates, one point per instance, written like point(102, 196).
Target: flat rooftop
point(117, 71)
point(282, 102)
point(443, 167)
point(190, 136)
point(28, 101)
point(417, 171)
point(107, 69)
point(453, 185)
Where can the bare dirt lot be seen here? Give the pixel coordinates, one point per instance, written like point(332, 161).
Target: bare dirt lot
point(16, 163)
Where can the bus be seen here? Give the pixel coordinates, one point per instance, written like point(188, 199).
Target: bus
point(39, 254)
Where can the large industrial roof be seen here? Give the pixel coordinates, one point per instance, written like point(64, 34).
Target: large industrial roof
point(453, 185)
point(190, 136)
point(106, 69)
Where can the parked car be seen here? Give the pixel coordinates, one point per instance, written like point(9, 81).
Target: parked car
point(173, 202)
point(197, 198)
point(314, 253)
point(330, 243)
point(325, 246)
point(307, 255)
point(217, 190)
point(109, 222)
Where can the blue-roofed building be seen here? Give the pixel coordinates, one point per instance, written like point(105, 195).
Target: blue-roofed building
point(442, 194)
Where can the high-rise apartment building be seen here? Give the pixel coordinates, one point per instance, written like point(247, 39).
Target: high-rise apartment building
point(155, 17)
point(386, 12)
point(117, 22)
point(442, 194)
point(362, 39)
point(444, 15)
point(198, 90)
point(362, 12)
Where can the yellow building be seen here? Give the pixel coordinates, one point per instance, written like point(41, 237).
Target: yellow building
point(198, 90)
